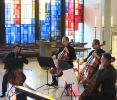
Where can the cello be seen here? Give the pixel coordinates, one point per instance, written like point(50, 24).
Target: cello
point(91, 64)
point(15, 77)
point(93, 86)
point(58, 70)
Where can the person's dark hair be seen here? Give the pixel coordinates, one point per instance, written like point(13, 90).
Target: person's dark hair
point(96, 41)
point(66, 38)
point(108, 57)
point(16, 46)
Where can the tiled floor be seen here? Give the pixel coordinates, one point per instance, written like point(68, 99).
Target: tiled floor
point(55, 93)
point(36, 77)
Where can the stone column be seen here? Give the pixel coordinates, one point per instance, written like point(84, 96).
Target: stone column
point(106, 5)
point(45, 48)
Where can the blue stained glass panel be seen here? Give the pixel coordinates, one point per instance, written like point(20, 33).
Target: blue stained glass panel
point(47, 7)
point(12, 34)
point(43, 28)
point(27, 33)
point(47, 16)
point(53, 7)
point(13, 27)
point(53, 15)
point(66, 7)
point(45, 24)
point(44, 35)
point(32, 20)
point(55, 18)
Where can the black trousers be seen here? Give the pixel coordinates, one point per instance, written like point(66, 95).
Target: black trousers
point(99, 96)
point(54, 78)
point(21, 96)
point(4, 81)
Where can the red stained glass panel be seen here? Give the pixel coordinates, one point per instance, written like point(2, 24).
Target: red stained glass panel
point(76, 26)
point(70, 33)
point(73, 17)
point(16, 19)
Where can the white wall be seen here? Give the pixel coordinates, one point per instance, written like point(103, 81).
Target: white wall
point(114, 11)
point(92, 8)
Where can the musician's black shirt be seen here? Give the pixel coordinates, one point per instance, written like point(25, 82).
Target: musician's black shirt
point(12, 55)
point(72, 55)
point(99, 52)
point(107, 77)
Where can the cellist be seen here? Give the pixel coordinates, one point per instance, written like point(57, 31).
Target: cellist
point(14, 54)
point(106, 75)
point(71, 52)
point(97, 52)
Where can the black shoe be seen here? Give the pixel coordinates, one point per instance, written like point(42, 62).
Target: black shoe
point(2, 94)
point(67, 89)
point(67, 86)
point(17, 91)
point(85, 86)
point(54, 84)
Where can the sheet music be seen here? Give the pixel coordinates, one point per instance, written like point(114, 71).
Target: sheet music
point(70, 76)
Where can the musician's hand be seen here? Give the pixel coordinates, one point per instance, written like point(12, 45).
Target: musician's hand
point(66, 49)
point(95, 55)
point(81, 62)
point(19, 56)
point(54, 57)
point(101, 66)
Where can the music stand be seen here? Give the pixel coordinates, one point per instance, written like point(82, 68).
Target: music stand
point(69, 75)
point(13, 63)
point(48, 63)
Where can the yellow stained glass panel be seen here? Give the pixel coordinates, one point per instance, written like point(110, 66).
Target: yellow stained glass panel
point(27, 11)
point(33, 14)
point(42, 16)
point(43, 1)
point(42, 8)
point(76, 1)
point(72, 25)
point(52, 0)
point(76, 6)
point(76, 12)
point(25, 21)
point(33, 7)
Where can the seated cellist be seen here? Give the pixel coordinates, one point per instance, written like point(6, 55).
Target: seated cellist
point(70, 51)
point(14, 54)
point(106, 75)
point(97, 52)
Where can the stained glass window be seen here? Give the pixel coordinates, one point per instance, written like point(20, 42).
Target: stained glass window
point(69, 18)
point(74, 20)
point(28, 21)
point(50, 19)
point(12, 21)
point(44, 18)
point(19, 21)
point(56, 19)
